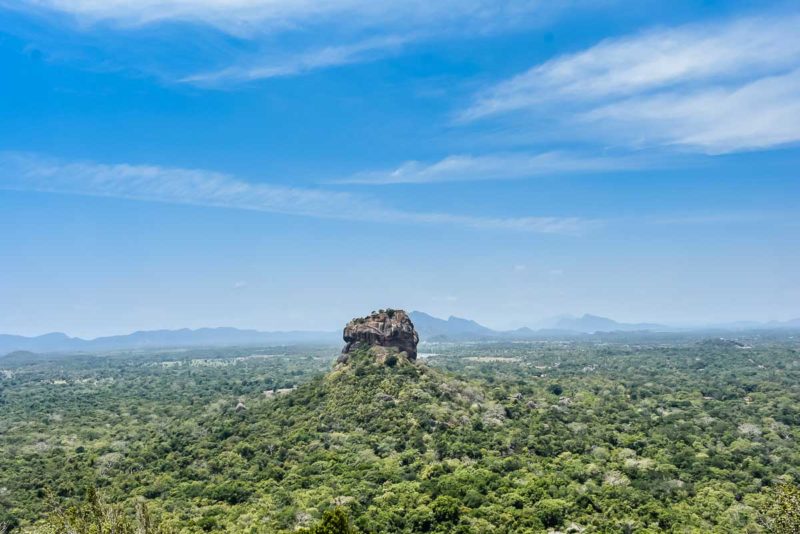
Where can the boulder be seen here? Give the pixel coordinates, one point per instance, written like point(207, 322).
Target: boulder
point(386, 328)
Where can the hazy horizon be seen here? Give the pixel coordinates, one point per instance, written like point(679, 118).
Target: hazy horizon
point(542, 323)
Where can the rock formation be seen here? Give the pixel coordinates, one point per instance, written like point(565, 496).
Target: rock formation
point(386, 329)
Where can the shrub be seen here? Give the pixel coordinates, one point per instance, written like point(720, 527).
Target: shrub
point(334, 521)
point(230, 492)
point(551, 512)
point(446, 509)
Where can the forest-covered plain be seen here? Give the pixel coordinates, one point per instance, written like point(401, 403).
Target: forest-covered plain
point(685, 436)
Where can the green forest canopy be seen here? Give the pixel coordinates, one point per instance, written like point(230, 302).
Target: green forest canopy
point(522, 437)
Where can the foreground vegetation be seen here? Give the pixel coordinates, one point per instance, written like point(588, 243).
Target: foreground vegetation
point(524, 437)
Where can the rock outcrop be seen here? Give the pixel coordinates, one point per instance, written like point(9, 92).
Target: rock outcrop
point(387, 329)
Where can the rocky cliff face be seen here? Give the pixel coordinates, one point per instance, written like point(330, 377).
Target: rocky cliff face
point(386, 328)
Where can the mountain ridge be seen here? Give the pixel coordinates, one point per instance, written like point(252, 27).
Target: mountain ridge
point(144, 339)
point(594, 323)
point(430, 329)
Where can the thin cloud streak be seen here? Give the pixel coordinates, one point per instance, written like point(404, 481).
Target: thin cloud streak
point(713, 88)
point(459, 168)
point(339, 32)
point(247, 17)
point(331, 56)
point(30, 172)
point(719, 120)
point(735, 217)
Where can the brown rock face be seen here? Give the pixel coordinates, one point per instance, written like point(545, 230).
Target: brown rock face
point(389, 328)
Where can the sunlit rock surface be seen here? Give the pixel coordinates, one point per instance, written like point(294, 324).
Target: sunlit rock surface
point(387, 329)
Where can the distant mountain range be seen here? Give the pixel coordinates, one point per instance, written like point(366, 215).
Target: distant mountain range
point(457, 329)
point(594, 323)
point(430, 328)
point(202, 337)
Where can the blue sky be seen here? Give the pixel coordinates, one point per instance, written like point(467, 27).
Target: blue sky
point(282, 164)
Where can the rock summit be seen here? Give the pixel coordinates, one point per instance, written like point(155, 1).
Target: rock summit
point(387, 329)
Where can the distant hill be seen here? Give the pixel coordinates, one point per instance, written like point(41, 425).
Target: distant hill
point(44, 343)
point(58, 342)
point(430, 328)
point(457, 329)
point(721, 343)
point(19, 355)
point(594, 323)
point(453, 329)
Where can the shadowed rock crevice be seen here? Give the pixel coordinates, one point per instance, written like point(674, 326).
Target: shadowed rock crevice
point(388, 329)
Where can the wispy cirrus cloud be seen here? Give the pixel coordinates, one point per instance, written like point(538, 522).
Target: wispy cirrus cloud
point(458, 168)
point(325, 57)
point(761, 114)
point(197, 187)
point(715, 88)
point(723, 218)
point(257, 16)
point(235, 41)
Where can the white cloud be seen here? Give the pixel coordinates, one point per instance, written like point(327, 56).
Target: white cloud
point(493, 167)
point(273, 38)
point(542, 225)
point(722, 218)
point(27, 172)
point(232, 15)
point(247, 16)
point(715, 88)
point(330, 56)
point(760, 114)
